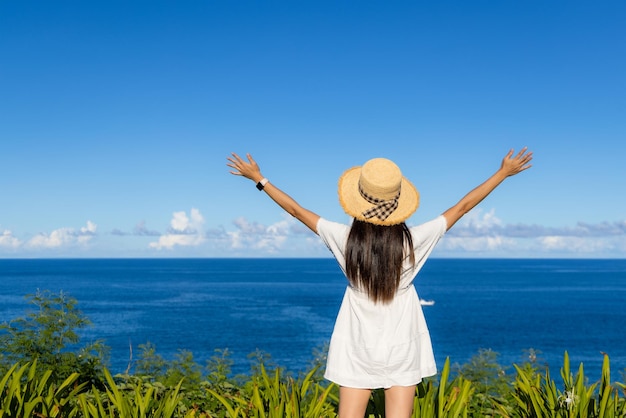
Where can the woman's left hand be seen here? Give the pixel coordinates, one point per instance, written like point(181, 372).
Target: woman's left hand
point(512, 165)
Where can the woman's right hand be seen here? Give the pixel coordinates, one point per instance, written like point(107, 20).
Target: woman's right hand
point(248, 169)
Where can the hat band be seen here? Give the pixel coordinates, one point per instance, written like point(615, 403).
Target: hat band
point(382, 208)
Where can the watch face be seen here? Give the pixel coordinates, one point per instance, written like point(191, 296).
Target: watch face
point(261, 184)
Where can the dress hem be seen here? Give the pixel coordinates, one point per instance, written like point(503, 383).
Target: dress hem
point(409, 379)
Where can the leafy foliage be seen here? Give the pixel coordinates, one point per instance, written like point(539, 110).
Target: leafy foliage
point(538, 395)
point(130, 398)
point(49, 335)
point(25, 393)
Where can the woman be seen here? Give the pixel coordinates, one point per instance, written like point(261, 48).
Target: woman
point(380, 339)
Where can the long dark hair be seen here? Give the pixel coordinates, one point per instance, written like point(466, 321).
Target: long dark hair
point(374, 258)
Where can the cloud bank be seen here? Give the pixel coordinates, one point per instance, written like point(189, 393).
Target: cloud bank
point(478, 234)
point(139, 230)
point(7, 240)
point(63, 237)
point(184, 231)
point(485, 233)
point(270, 239)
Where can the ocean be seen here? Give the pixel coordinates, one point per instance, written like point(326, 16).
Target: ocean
point(285, 308)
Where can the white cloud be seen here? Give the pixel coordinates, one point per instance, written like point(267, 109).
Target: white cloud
point(553, 242)
point(184, 231)
point(578, 245)
point(478, 244)
point(64, 237)
point(8, 240)
point(182, 224)
point(479, 224)
point(477, 233)
point(484, 232)
point(267, 239)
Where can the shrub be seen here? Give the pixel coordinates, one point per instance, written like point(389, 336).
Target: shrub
point(48, 335)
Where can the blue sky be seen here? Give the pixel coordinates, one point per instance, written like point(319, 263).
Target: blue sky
point(116, 119)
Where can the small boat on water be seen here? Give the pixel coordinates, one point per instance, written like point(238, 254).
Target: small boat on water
point(425, 302)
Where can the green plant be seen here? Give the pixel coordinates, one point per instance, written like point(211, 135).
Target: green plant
point(218, 368)
point(491, 384)
point(131, 398)
point(25, 393)
point(537, 395)
point(49, 335)
point(274, 397)
point(150, 364)
point(449, 400)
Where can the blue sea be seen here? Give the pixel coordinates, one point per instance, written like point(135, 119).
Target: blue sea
point(286, 308)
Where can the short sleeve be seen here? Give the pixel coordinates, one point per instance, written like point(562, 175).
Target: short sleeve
point(426, 236)
point(335, 236)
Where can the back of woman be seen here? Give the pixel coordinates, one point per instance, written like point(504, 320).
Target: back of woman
point(380, 339)
point(381, 342)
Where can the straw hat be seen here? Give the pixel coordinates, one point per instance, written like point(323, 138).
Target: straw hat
point(377, 193)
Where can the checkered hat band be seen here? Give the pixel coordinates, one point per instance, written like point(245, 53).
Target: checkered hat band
point(382, 208)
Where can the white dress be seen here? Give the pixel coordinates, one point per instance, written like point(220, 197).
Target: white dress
point(381, 345)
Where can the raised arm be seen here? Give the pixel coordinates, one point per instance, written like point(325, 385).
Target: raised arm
point(250, 170)
point(510, 166)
